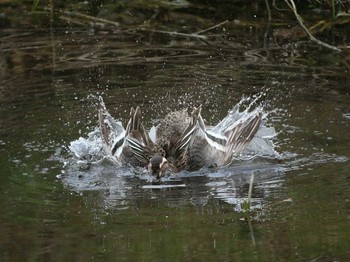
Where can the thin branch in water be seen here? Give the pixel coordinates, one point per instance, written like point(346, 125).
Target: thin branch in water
point(251, 232)
point(277, 8)
point(268, 9)
point(251, 182)
point(292, 6)
point(269, 22)
point(177, 34)
point(193, 35)
point(90, 18)
point(211, 28)
point(247, 202)
point(342, 14)
point(52, 38)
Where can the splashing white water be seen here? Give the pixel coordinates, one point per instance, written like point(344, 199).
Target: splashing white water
point(90, 168)
point(91, 149)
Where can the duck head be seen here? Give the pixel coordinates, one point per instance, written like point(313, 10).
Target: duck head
point(158, 164)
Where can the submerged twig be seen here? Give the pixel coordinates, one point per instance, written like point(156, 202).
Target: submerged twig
point(268, 9)
point(212, 27)
point(292, 6)
point(342, 14)
point(197, 35)
point(246, 203)
point(268, 23)
point(251, 232)
point(90, 18)
point(277, 8)
point(251, 182)
point(52, 38)
point(178, 34)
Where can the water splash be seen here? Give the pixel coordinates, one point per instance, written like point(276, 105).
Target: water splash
point(88, 168)
point(262, 145)
point(91, 148)
point(87, 148)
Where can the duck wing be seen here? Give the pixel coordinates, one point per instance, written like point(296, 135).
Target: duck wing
point(112, 131)
point(240, 135)
point(138, 139)
point(220, 145)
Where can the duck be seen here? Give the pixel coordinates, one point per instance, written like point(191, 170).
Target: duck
point(163, 147)
point(180, 141)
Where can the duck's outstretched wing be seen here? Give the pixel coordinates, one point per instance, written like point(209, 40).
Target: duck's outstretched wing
point(211, 147)
point(112, 131)
point(240, 135)
point(138, 139)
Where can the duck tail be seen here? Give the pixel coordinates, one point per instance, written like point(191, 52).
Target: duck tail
point(137, 137)
point(136, 129)
point(187, 135)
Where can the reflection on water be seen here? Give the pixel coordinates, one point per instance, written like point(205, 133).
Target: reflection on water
point(123, 185)
point(55, 207)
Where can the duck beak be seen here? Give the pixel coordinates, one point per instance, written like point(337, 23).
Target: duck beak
point(158, 175)
point(156, 172)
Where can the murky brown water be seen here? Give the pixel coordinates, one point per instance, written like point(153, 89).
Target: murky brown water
point(48, 89)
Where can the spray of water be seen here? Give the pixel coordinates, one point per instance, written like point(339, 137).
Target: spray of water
point(90, 148)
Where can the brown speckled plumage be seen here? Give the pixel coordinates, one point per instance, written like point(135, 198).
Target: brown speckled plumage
point(182, 141)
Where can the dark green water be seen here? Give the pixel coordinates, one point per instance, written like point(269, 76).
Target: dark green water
point(48, 88)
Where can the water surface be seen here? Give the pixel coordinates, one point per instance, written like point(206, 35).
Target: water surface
point(53, 209)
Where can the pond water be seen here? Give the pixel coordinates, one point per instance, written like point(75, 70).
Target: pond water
point(53, 208)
